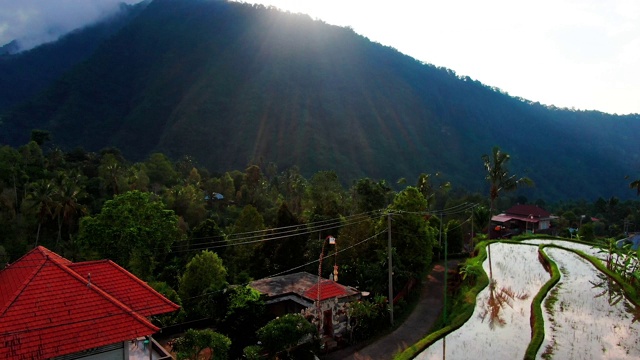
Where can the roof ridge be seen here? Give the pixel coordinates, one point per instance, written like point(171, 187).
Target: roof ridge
point(106, 295)
point(55, 257)
point(133, 277)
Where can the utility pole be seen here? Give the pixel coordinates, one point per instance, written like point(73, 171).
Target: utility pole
point(471, 240)
point(446, 271)
point(440, 235)
point(389, 263)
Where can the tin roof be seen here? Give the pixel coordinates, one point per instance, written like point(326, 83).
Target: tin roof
point(302, 284)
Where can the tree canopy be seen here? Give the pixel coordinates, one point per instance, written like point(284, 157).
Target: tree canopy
point(203, 278)
point(133, 230)
point(285, 333)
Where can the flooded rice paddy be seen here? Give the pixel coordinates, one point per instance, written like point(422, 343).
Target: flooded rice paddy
point(589, 318)
point(502, 310)
point(585, 314)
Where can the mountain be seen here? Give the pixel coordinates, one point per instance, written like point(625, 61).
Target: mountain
point(10, 48)
point(231, 84)
point(24, 74)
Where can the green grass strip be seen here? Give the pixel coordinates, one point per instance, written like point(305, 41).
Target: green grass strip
point(537, 320)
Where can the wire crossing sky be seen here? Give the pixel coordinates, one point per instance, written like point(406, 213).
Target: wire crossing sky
point(582, 54)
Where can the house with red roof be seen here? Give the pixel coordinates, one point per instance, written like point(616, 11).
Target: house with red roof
point(51, 307)
point(521, 219)
point(323, 301)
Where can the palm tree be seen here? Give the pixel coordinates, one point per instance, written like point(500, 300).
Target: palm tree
point(112, 171)
point(42, 193)
point(66, 204)
point(500, 180)
point(429, 190)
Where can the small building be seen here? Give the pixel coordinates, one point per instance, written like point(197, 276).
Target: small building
point(51, 307)
point(321, 300)
point(520, 219)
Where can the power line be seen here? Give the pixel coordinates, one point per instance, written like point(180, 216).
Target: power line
point(257, 233)
point(457, 209)
point(355, 219)
point(300, 230)
point(303, 265)
point(312, 224)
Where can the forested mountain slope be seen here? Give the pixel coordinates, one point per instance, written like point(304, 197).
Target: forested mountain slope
point(231, 84)
point(24, 74)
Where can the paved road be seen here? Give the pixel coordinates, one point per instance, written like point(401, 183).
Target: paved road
point(413, 329)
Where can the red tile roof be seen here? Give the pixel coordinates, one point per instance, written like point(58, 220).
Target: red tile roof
point(124, 286)
point(329, 289)
point(14, 277)
point(527, 210)
point(47, 309)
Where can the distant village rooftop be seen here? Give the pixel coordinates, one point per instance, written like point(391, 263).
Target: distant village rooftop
point(304, 285)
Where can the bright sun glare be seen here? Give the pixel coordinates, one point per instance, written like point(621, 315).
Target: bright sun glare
point(558, 52)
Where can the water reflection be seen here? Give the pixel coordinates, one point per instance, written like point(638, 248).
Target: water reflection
point(614, 294)
point(498, 300)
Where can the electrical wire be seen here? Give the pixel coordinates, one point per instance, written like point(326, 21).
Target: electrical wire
point(295, 229)
point(279, 235)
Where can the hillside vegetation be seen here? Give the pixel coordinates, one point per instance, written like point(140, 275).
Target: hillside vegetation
point(233, 84)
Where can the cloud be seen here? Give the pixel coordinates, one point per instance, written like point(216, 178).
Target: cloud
point(34, 22)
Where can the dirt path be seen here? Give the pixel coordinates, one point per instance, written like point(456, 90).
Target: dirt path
point(413, 329)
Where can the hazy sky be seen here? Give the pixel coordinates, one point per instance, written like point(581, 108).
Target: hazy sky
point(33, 22)
point(568, 53)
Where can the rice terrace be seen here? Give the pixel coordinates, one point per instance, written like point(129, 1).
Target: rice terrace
point(541, 299)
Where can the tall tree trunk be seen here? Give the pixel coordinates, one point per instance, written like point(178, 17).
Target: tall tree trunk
point(59, 233)
point(489, 239)
point(38, 234)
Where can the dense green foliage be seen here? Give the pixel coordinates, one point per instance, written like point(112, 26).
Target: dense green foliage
point(414, 250)
point(194, 342)
point(132, 230)
point(285, 333)
point(231, 84)
point(203, 278)
point(246, 313)
point(368, 317)
point(192, 233)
